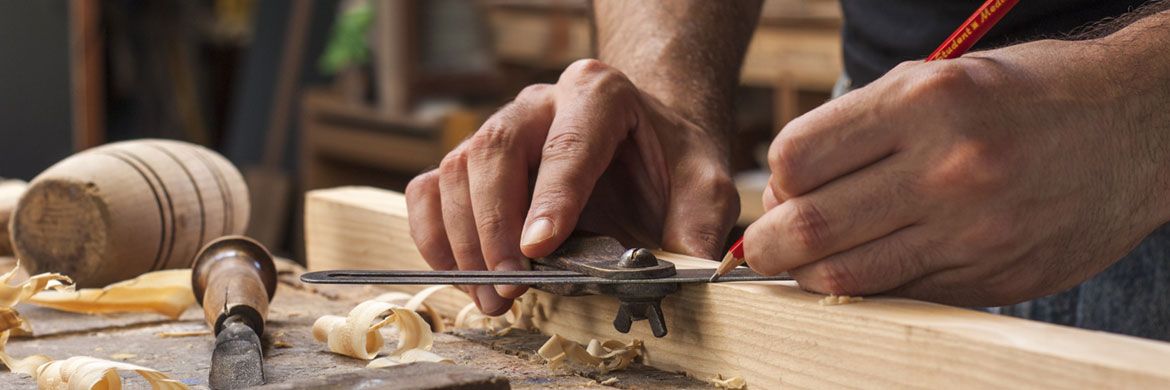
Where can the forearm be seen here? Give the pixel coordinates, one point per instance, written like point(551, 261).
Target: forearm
point(1143, 69)
point(686, 53)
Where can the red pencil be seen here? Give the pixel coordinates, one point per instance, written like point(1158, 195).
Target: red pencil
point(954, 46)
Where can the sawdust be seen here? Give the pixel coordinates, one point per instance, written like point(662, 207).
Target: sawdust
point(607, 356)
point(834, 300)
point(732, 383)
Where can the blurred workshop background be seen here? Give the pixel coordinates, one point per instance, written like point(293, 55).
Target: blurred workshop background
point(307, 94)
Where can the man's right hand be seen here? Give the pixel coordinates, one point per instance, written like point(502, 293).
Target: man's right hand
point(591, 152)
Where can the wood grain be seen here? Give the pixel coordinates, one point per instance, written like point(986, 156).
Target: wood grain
point(775, 335)
point(117, 211)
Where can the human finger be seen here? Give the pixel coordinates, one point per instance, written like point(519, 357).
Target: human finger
point(844, 214)
point(831, 141)
point(497, 170)
point(595, 111)
point(459, 222)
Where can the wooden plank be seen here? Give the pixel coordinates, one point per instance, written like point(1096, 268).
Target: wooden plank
point(773, 334)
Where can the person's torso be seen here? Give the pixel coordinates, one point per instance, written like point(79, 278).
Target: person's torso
point(878, 34)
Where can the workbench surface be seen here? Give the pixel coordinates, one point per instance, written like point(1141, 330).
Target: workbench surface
point(134, 338)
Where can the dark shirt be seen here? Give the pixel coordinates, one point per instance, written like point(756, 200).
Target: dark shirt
point(878, 34)
point(1130, 297)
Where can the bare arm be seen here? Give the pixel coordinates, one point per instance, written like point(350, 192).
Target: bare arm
point(1001, 176)
point(685, 53)
point(633, 146)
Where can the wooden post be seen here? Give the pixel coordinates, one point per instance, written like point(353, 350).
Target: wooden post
point(772, 333)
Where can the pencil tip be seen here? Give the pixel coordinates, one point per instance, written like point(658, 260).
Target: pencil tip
point(714, 277)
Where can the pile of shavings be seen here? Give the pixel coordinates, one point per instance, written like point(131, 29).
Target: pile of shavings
point(79, 372)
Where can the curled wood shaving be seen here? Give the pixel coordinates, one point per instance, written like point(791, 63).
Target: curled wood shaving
point(418, 303)
point(83, 372)
point(833, 300)
point(408, 356)
point(80, 372)
point(10, 294)
point(11, 321)
point(610, 355)
point(732, 383)
point(357, 335)
point(519, 317)
point(164, 292)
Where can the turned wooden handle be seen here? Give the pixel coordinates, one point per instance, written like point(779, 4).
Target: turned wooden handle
point(234, 275)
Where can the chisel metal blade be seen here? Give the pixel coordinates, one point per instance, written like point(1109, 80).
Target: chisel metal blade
point(527, 278)
point(237, 361)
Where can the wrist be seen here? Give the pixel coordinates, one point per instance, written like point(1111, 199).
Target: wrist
point(1140, 65)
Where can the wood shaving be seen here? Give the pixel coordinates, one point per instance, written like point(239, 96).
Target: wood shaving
point(417, 302)
point(357, 335)
point(834, 300)
point(11, 321)
point(610, 355)
point(164, 292)
point(519, 317)
point(732, 383)
point(409, 356)
point(83, 372)
point(609, 382)
point(186, 333)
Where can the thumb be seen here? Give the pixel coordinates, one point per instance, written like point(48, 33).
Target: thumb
point(702, 212)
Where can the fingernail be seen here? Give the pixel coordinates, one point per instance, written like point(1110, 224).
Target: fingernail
point(537, 232)
point(491, 303)
point(508, 290)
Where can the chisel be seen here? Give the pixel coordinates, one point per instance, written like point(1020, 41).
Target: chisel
point(234, 279)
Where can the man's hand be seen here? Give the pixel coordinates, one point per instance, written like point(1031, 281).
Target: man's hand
point(596, 153)
point(987, 180)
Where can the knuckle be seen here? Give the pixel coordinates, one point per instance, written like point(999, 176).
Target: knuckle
point(567, 145)
point(784, 158)
point(940, 81)
point(596, 78)
point(807, 227)
point(835, 278)
point(586, 67)
point(423, 186)
point(972, 167)
point(490, 225)
point(555, 196)
point(533, 91)
point(492, 138)
point(466, 250)
point(453, 162)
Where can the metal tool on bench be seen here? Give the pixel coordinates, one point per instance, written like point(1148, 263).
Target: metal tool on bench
point(234, 279)
point(583, 265)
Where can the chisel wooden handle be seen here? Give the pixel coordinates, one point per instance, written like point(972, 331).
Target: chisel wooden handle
point(234, 276)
